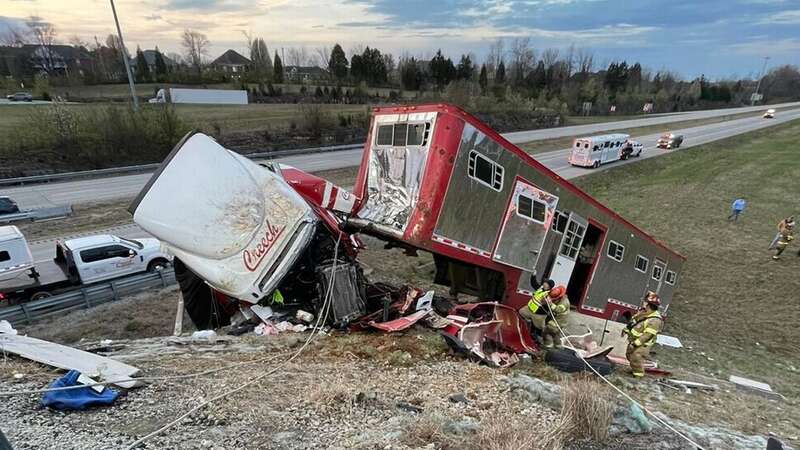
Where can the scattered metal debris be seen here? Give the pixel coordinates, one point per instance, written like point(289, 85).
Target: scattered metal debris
point(755, 386)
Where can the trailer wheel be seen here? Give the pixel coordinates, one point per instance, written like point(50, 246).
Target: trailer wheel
point(40, 295)
point(596, 164)
point(198, 299)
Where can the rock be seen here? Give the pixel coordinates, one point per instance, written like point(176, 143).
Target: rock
point(536, 390)
point(461, 427)
point(458, 398)
point(630, 419)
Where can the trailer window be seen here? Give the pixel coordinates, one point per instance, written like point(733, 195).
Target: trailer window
point(586, 145)
point(400, 133)
point(572, 240)
point(641, 264)
point(384, 135)
point(529, 208)
point(605, 144)
point(577, 144)
point(596, 149)
point(4, 256)
point(616, 251)
point(658, 271)
point(559, 222)
point(416, 132)
point(671, 277)
point(485, 171)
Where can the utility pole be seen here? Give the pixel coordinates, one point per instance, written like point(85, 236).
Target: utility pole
point(760, 77)
point(125, 59)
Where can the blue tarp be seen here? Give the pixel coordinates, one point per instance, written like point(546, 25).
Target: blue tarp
point(76, 398)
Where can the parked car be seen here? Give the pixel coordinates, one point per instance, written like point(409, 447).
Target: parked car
point(631, 148)
point(20, 97)
point(78, 261)
point(8, 206)
point(769, 114)
point(670, 141)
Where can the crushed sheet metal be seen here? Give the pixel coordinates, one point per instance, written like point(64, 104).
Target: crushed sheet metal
point(400, 324)
point(512, 333)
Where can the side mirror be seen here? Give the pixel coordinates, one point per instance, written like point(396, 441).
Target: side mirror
point(131, 253)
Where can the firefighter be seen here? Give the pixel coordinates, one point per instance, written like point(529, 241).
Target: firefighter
point(555, 307)
point(534, 304)
point(642, 331)
point(786, 236)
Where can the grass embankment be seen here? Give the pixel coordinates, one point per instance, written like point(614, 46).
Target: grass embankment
point(735, 308)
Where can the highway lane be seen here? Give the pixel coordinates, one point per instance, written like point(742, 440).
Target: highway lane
point(110, 188)
point(555, 160)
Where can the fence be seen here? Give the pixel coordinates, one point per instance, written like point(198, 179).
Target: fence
point(85, 297)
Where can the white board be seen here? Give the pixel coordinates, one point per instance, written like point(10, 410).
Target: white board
point(67, 358)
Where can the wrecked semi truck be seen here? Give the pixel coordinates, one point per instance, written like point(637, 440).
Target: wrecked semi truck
point(432, 178)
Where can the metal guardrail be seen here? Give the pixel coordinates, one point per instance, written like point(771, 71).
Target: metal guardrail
point(20, 181)
point(85, 297)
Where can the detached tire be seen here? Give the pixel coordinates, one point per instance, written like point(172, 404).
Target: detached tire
point(198, 299)
point(566, 360)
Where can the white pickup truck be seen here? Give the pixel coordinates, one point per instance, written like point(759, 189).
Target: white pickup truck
point(78, 261)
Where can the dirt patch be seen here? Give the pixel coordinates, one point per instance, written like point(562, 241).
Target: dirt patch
point(86, 217)
point(147, 314)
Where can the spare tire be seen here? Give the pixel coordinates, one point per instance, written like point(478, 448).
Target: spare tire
point(566, 360)
point(198, 299)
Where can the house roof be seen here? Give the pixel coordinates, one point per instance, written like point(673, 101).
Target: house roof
point(231, 58)
point(64, 51)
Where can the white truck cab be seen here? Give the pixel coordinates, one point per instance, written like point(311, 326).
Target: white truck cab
point(769, 114)
point(236, 224)
point(15, 256)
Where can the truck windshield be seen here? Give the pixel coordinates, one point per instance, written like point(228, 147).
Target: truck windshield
point(136, 244)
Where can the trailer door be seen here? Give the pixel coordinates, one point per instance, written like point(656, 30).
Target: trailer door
point(568, 251)
point(527, 219)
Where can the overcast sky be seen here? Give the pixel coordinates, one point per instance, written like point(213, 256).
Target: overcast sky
point(718, 38)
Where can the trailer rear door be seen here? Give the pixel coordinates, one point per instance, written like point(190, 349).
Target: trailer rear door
point(569, 248)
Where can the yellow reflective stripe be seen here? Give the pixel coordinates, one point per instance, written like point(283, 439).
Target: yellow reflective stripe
point(558, 309)
point(637, 343)
point(650, 330)
point(636, 333)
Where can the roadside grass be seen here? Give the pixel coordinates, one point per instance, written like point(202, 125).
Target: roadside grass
point(735, 309)
point(548, 145)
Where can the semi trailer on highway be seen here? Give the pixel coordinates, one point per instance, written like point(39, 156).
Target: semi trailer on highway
point(432, 178)
point(77, 262)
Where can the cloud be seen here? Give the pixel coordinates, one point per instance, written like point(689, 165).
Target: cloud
point(764, 46)
point(790, 17)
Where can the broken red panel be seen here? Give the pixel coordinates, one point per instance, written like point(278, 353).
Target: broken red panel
point(511, 332)
point(401, 323)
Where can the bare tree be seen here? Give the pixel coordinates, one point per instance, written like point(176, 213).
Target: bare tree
point(321, 56)
point(14, 36)
point(43, 34)
point(569, 59)
point(495, 55)
point(195, 46)
point(585, 60)
point(259, 55)
point(297, 56)
point(522, 58)
point(76, 41)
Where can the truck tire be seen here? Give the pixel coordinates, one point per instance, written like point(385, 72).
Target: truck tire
point(566, 360)
point(198, 299)
point(157, 265)
point(40, 295)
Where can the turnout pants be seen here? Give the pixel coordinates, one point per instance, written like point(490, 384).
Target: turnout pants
point(549, 330)
point(636, 357)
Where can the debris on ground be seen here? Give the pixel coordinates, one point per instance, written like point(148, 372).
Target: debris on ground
point(755, 386)
point(691, 384)
point(69, 358)
point(77, 399)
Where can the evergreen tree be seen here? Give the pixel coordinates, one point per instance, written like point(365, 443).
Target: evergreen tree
point(142, 69)
point(277, 69)
point(465, 69)
point(500, 75)
point(442, 70)
point(337, 64)
point(161, 65)
point(483, 79)
point(410, 75)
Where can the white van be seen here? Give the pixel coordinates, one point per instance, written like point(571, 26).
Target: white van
point(593, 151)
point(15, 256)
